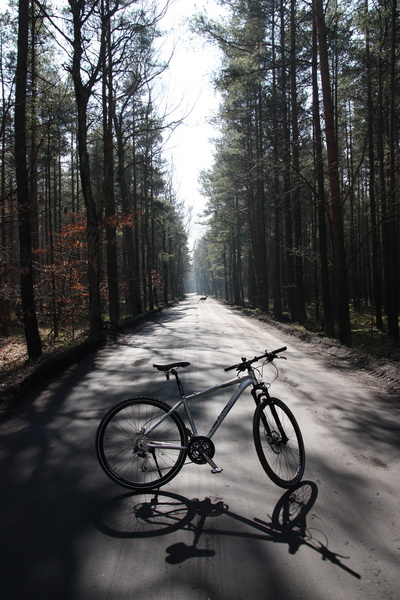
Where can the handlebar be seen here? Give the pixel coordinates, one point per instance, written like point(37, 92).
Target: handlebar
point(270, 356)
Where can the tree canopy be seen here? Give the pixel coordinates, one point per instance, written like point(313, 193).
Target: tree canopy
point(303, 199)
point(91, 230)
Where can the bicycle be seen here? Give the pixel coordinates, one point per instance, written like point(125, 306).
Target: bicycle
point(142, 442)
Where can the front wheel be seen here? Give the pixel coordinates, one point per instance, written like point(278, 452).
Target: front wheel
point(135, 457)
point(279, 443)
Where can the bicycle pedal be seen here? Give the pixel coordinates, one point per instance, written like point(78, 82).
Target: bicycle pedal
point(216, 470)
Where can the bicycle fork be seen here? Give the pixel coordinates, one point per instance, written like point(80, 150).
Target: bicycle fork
point(269, 434)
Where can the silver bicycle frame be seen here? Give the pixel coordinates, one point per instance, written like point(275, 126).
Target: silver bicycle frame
point(242, 382)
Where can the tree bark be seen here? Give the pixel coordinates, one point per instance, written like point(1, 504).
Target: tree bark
point(392, 221)
point(277, 247)
point(287, 197)
point(82, 94)
point(108, 182)
point(319, 170)
point(33, 342)
point(334, 184)
point(376, 272)
point(5, 304)
point(131, 252)
point(300, 305)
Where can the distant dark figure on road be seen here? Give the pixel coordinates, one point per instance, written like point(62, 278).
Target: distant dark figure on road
point(203, 299)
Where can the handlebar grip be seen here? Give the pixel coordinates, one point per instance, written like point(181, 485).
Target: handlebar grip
point(230, 368)
point(279, 350)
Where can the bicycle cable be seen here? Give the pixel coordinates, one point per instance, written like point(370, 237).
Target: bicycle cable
point(268, 362)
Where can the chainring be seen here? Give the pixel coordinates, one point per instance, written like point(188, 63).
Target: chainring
point(197, 445)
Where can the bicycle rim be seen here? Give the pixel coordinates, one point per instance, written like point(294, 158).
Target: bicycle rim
point(121, 458)
point(279, 443)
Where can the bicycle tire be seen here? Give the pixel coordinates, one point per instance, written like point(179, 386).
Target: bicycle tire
point(118, 451)
point(283, 461)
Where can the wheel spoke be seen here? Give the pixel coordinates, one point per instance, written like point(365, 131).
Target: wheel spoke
point(121, 443)
point(279, 443)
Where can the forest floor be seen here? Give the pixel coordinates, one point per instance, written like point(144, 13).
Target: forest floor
point(383, 370)
point(18, 375)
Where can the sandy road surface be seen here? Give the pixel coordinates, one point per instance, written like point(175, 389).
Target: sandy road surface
point(67, 532)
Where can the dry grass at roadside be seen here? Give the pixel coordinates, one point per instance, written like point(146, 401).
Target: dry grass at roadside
point(12, 353)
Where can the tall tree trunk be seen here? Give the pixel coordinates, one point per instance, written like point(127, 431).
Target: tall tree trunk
point(51, 205)
point(261, 221)
point(108, 182)
point(320, 177)
point(165, 263)
point(300, 305)
point(376, 272)
point(334, 183)
point(82, 94)
point(5, 304)
point(289, 258)
point(237, 263)
point(137, 299)
point(131, 276)
point(392, 221)
point(277, 247)
point(33, 180)
point(33, 342)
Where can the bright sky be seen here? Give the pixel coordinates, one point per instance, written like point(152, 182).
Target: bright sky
point(187, 85)
point(186, 91)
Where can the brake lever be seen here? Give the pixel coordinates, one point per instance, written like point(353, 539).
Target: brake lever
point(273, 357)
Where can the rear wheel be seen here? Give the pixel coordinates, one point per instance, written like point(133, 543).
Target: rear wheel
point(279, 443)
point(122, 443)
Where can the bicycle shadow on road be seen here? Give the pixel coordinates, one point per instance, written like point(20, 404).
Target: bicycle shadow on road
point(147, 514)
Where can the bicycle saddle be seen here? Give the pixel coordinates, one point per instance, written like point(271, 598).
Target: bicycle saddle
point(169, 366)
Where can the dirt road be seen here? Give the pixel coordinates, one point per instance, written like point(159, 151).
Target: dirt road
point(67, 532)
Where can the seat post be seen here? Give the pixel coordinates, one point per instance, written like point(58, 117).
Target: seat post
point(178, 382)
